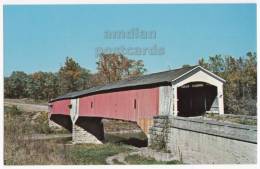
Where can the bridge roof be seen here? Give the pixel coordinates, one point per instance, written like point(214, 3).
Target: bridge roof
point(165, 77)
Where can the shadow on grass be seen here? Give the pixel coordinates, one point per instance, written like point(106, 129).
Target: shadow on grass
point(134, 139)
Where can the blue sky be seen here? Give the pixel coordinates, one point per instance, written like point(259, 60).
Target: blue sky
point(40, 37)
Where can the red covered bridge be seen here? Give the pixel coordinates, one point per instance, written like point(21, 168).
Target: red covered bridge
point(189, 91)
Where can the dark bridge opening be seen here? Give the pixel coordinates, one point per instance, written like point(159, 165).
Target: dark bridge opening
point(93, 125)
point(195, 99)
point(62, 120)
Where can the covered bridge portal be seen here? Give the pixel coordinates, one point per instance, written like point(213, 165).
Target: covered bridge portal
point(189, 91)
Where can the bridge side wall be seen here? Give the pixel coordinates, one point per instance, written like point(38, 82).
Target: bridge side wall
point(60, 107)
point(137, 105)
point(199, 141)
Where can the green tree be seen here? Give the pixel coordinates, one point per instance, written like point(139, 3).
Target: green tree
point(15, 85)
point(7, 88)
point(42, 86)
point(51, 89)
point(250, 73)
point(35, 85)
point(73, 77)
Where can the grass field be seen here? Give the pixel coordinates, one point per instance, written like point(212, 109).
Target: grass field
point(94, 154)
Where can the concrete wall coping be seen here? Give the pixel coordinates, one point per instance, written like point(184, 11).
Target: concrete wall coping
point(219, 123)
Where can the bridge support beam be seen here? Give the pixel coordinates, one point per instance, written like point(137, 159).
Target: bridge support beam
point(88, 130)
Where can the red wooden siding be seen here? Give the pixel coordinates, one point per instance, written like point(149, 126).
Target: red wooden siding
point(60, 107)
point(120, 105)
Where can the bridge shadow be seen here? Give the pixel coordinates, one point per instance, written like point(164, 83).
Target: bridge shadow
point(119, 138)
point(93, 125)
point(106, 130)
point(117, 131)
point(62, 120)
point(127, 138)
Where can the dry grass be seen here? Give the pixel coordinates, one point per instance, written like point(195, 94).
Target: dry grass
point(18, 151)
point(239, 119)
point(29, 152)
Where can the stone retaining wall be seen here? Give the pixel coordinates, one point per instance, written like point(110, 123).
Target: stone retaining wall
point(199, 141)
point(80, 135)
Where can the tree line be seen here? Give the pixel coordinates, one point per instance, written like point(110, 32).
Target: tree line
point(240, 89)
point(71, 77)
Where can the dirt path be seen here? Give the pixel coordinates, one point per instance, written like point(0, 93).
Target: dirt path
point(47, 136)
point(145, 151)
point(120, 158)
point(117, 159)
point(27, 107)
